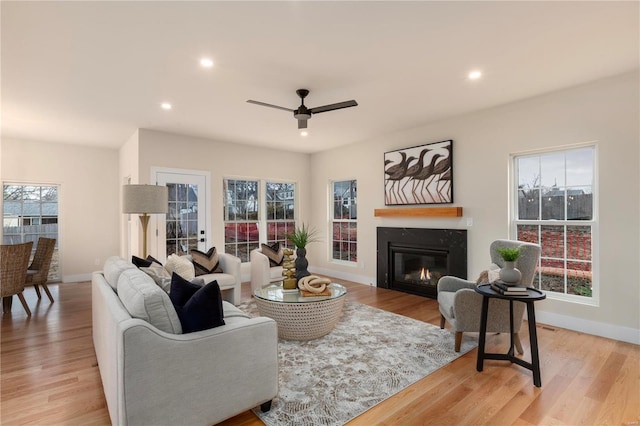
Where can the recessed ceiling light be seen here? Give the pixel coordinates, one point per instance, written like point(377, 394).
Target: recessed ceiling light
point(474, 75)
point(304, 133)
point(206, 62)
point(166, 105)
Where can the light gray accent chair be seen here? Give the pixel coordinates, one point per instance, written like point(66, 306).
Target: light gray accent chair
point(262, 273)
point(460, 305)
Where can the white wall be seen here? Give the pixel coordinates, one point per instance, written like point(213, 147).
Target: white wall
point(88, 213)
point(159, 149)
point(606, 111)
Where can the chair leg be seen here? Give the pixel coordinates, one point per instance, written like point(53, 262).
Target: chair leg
point(24, 304)
point(441, 321)
point(37, 290)
point(46, 290)
point(517, 343)
point(458, 341)
point(6, 303)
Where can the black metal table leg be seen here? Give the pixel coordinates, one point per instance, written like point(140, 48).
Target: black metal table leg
point(533, 340)
point(531, 296)
point(483, 332)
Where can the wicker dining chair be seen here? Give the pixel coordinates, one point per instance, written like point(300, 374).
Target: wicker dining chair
point(14, 260)
point(38, 272)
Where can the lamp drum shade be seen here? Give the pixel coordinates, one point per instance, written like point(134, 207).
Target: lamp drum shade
point(145, 199)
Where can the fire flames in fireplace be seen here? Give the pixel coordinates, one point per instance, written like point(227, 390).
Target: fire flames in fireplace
point(422, 277)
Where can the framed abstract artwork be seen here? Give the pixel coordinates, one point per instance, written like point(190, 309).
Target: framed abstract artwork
point(419, 175)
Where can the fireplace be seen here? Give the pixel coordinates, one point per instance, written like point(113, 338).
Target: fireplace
point(413, 259)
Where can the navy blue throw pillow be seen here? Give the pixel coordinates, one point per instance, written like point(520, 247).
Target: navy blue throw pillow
point(198, 307)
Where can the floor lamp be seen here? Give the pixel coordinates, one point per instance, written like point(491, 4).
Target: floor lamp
point(145, 200)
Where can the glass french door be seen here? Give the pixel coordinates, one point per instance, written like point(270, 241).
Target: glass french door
point(184, 226)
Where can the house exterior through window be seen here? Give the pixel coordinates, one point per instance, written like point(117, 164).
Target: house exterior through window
point(241, 214)
point(30, 212)
point(554, 206)
point(344, 221)
point(255, 212)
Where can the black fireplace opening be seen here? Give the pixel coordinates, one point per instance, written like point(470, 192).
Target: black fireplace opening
point(414, 259)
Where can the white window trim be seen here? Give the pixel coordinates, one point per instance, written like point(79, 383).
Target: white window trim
point(262, 200)
point(330, 207)
point(594, 300)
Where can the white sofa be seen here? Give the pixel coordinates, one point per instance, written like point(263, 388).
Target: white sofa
point(262, 274)
point(154, 375)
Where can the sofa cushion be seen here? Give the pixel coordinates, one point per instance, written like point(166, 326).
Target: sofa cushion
point(275, 253)
point(206, 263)
point(113, 267)
point(159, 275)
point(181, 265)
point(198, 307)
point(145, 300)
point(224, 280)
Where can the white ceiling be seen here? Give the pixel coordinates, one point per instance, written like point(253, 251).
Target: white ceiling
point(92, 72)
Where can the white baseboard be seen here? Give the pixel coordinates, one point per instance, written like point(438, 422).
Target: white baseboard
point(360, 279)
point(76, 278)
point(610, 331)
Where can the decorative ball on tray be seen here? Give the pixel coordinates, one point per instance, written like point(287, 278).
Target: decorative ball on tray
point(313, 285)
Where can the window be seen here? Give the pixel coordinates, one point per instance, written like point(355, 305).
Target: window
point(344, 225)
point(31, 212)
point(554, 207)
point(182, 219)
point(250, 221)
point(241, 213)
point(280, 211)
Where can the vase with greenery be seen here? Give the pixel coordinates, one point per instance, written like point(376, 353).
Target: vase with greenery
point(300, 237)
point(509, 273)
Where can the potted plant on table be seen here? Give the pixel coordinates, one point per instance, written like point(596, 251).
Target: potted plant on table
point(509, 273)
point(300, 237)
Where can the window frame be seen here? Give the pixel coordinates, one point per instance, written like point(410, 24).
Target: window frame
point(262, 220)
point(55, 271)
point(288, 222)
point(593, 223)
point(333, 220)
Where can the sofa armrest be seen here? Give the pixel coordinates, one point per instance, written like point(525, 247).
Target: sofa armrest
point(453, 284)
point(222, 371)
point(231, 264)
point(260, 275)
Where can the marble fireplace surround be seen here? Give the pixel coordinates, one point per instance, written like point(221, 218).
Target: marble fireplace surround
point(453, 242)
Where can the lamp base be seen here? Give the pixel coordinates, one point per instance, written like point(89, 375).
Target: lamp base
point(144, 220)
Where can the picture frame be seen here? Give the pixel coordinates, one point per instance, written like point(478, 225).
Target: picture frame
point(421, 174)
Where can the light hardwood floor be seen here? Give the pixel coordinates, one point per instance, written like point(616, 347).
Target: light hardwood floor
point(49, 373)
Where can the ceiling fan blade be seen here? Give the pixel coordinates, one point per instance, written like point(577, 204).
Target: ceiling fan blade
point(302, 124)
point(339, 105)
point(269, 105)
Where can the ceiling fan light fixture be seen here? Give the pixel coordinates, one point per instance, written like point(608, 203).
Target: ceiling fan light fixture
point(304, 133)
point(300, 114)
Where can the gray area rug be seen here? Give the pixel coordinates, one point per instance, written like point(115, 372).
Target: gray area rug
point(370, 355)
